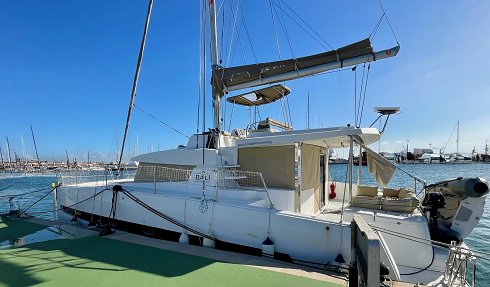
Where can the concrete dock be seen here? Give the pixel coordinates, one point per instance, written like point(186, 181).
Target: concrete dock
point(46, 253)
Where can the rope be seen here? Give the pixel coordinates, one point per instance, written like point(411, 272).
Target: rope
point(70, 206)
point(166, 217)
point(37, 201)
point(160, 121)
point(5, 188)
point(12, 196)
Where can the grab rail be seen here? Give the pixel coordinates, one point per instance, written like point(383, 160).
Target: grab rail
point(211, 179)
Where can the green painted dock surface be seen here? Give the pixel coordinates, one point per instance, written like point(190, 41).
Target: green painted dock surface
point(105, 261)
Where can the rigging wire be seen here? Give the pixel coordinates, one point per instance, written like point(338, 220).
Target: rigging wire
point(289, 119)
point(364, 96)
point(450, 137)
point(231, 116)
point(248, 36)
point(373, 33)
point(286, 107)
point(282, 22)
point(275, 30)
point(160, 121)
point(360, 94)
point(313, 30)
point(278, 48)
point(240, 43)
point(222, 34)
point(221, 6)
point(229, 38)
point(355, 94)
point(235, 16)
point(388, 20)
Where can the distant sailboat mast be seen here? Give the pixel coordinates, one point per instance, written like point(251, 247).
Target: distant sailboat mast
point(8, 153)
point(23, 150)
point(35, 147)
point(457, 141)
point(1, 156)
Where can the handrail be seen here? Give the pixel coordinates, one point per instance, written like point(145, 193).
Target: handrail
point(214, 179)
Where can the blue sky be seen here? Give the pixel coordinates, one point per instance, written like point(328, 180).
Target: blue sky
point(67, 68)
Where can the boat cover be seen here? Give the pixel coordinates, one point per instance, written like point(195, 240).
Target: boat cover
point(260, 97)
point(228, 77)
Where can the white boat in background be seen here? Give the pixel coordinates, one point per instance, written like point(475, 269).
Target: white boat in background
point(266, 189)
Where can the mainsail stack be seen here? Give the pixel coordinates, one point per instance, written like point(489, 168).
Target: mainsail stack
point(241, 77)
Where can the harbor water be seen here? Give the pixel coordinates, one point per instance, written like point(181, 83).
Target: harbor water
point(36, 186)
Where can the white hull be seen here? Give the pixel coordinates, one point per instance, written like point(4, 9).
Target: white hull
point(314, 238)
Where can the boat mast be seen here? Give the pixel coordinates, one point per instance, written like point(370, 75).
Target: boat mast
point(8, 153)
point(1, 156)
point(35, 147)
point(135, 81)
point(457, 141)
point(217, 93)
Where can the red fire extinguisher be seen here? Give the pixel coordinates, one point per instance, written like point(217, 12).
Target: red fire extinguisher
point(332, 194)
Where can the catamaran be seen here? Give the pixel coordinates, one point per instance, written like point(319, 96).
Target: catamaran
point(265, 189)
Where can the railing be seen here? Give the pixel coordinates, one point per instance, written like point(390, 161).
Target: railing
point(220, 182)
point(78, 177)
point(457, 266)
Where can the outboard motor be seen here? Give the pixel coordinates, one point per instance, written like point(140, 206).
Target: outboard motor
point(432, 202)
point(464, 203)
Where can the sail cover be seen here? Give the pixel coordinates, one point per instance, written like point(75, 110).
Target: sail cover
point(260, 97)
point(228, 77)
point(381, 168)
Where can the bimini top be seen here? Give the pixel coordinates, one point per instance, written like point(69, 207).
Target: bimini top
point(261, 96)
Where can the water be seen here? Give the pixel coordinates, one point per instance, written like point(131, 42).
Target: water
point(37, 185)
point(477, 241)
point(431, 173)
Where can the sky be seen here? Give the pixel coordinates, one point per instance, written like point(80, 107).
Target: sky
point(67, 68)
